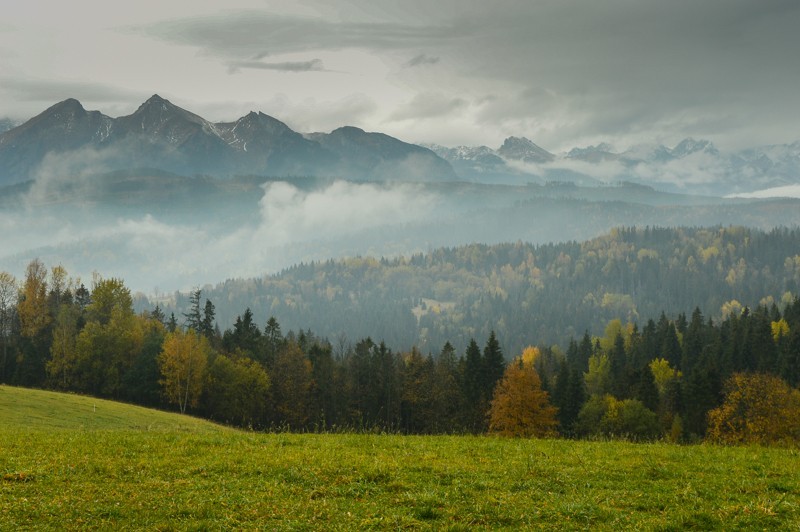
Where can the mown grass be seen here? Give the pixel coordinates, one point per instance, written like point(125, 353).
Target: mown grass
point(222, 479)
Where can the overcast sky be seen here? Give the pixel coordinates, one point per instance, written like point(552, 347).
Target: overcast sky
point(563, 73)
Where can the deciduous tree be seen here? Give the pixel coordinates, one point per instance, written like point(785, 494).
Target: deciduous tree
point(32, 308)
point(183, 361)
point(291, 386)
point(520, 407)
point(758, 408)
point(63, 354)
point(598, 378)
point(238, 391)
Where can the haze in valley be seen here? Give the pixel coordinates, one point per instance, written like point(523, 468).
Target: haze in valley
point(544, 121)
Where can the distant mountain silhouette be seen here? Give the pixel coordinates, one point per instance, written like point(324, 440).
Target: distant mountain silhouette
point(163, 136)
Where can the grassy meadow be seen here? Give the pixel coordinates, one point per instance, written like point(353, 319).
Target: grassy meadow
point(75, 462)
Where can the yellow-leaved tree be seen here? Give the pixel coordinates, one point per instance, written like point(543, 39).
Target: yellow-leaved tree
point(32, 307)
point(182, 362)
point(758, 408)
point(520, 408)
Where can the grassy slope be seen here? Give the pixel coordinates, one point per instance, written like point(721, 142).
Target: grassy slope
point(131, 478)
point(40, 409)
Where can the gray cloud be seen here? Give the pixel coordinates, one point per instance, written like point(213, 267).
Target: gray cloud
point(618, 68)
point(257, 33)
point(421, 59)
point(429, 105)
point(601, 70)
point(48, 90)
point(323, 114)
point(33, 96)
point(314, 65)
point(562, 73)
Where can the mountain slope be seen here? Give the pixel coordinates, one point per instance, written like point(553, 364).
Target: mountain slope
point(6, 124)
point(365, 154)
point(522, 149)
point(68, 140)
point(264, 142)
point(62, 128)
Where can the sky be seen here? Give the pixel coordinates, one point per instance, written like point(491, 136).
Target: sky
point(562, 73)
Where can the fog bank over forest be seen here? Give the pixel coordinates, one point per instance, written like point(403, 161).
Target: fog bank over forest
point(162, 232)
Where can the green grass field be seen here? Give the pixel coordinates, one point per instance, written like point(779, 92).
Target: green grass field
point(73, 462)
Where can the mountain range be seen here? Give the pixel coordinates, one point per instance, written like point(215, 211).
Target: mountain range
point(691, 166)
point(68, 140)
point(163, 136)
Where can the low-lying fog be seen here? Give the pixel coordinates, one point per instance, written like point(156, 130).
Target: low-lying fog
point(162, 233)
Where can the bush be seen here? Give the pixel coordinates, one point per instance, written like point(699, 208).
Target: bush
point(758, 408)
point(606, 415)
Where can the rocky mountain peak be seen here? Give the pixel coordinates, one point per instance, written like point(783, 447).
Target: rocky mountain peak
point(689, 146)
point(601, 152)
point(523, 149)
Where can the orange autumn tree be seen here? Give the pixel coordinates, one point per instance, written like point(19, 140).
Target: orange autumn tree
point(758, 408)
point(520, 408)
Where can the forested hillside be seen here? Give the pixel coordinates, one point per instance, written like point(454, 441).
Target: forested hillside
point(732, 380)
point(677, 333)
point(527, 294)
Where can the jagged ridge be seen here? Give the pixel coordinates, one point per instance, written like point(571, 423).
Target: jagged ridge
point(164, 136)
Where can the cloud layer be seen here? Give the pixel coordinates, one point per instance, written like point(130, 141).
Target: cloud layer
point(562, 73)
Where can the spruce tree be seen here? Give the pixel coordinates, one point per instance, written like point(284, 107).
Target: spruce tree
point(494, 365)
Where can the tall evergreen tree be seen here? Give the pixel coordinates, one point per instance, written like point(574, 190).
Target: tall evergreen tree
point(494, 365)
point(646, 390)
point(702, 393)
point(245, 335)
point(575, 399)
point(693, 341)
point(584, 352)
point(207, 325)
point(273, 340)
point(670, 347)
point(194, 318)
point(448, 400)
point(472, 385)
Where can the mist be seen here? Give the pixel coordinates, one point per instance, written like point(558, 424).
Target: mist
point(59, 222)
point(161, 232)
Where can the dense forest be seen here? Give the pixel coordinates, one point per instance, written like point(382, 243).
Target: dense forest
point(527, 294)
point(681, 376)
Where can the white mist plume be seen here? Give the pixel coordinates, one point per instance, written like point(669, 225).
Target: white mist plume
point(291, 215)
point(292, 225)
point(70, 174)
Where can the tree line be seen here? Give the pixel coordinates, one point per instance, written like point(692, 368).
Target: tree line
point(526, 293)
point(684, 379)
